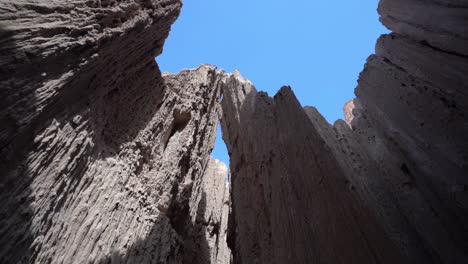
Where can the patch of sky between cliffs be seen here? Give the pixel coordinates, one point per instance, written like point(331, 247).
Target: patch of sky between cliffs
point(316, 47)
point(220, 150)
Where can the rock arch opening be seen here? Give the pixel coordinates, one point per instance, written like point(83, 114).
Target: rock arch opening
point(220, 151)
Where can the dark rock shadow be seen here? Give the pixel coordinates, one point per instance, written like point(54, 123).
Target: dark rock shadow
point(189, 247)
point(15, 212)
point(196, 247)
point(427, 186)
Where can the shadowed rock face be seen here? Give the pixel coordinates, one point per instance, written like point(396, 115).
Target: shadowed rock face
point(103, 159)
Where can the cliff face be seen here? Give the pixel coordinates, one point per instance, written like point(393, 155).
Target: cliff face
point(298, 183)
point(291, 201)
point(404, 147)
point(103, 159)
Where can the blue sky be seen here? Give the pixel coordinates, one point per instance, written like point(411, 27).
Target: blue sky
point(316, 47)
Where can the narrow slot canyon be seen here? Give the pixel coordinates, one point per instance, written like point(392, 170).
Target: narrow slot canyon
point(104, 159)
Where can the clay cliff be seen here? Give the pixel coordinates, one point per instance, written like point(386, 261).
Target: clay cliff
point(104, 159)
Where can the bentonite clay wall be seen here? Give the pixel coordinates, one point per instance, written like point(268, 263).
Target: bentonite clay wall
point(103, 159)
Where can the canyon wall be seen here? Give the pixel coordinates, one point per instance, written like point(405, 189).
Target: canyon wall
point(403, 146)
point(103, 158)
point(291, 201)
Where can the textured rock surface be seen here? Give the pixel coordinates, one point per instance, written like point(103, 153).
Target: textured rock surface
point(405, 148)
point(134, 205)
point(401, 153)
point(100, 153)
point(440, 24)
point(211, 222)
point(291, 202)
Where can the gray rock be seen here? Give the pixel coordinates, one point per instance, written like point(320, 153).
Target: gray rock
point(211, 216)
point(100, 153)
point(440, 24)
point(291, 201)
point(400, 156)
point(403, 144)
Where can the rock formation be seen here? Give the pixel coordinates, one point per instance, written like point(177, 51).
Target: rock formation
point(291, 202)
point(404, 144)
point(404, 150)
point(402, 153)
point(104, 159)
